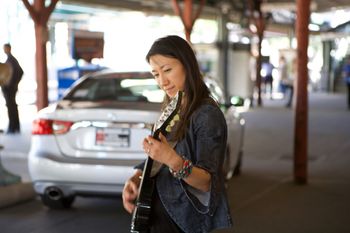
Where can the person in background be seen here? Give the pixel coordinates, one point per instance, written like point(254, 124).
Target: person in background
point(9, 91)
point(287, 80)
point(282, 73)
point(190, 194)
point(267, 77)
point(346, 74)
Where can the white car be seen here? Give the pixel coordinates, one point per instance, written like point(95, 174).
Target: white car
point(88, 142)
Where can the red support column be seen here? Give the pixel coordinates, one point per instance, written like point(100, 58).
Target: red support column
point(40, 15)
point(260, 25)
point(301, 111)
point(187, 18)
point(257, 17)
point(187, 15)
point(41, 65)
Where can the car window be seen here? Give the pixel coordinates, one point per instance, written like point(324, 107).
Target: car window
point(117, 89)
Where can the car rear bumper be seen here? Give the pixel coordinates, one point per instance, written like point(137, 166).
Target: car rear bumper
point(79, 189)
point(78, 179)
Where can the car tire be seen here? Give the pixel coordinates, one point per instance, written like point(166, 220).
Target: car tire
point(61, 203)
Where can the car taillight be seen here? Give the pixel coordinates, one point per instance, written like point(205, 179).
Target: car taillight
point(42, 126)
point(61, 127)
point(45, 126)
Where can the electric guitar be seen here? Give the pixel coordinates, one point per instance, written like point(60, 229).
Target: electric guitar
point(141, 216)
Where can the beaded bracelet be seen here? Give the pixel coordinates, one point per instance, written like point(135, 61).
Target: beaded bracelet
point(185, 171)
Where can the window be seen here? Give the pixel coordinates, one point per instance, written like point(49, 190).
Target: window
point(117, 89)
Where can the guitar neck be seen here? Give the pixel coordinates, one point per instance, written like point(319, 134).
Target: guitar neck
point(146, 174)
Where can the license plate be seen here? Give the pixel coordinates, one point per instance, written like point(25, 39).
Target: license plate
point(114, 137)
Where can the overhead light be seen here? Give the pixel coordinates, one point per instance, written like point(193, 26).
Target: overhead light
point(245, 40)
point(234, 38)
point(314, 27)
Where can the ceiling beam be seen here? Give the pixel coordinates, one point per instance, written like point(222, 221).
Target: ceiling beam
point(155, 7)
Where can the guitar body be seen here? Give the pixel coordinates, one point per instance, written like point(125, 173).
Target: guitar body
point(141, 216)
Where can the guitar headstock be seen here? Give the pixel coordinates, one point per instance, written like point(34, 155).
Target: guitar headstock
point(169, 111)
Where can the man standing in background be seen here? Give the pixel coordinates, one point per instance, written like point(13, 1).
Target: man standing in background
point(9, 91)
point(267, 77)
point(287, 79)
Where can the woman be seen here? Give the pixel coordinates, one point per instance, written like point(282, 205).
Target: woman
point(190, 195)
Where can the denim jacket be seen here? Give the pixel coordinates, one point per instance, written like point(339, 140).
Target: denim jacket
point(205, 145)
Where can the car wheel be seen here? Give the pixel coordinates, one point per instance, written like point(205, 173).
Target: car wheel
point(63, 203)
point(226, 167)
point(237, 169)
point(54, 199)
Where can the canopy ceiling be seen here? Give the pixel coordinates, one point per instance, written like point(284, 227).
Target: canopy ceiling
point(280, 11)
point(165, 5)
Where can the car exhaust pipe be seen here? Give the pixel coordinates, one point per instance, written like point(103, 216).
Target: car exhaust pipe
point(54, 193)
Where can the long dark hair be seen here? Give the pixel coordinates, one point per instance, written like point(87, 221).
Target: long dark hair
point(195, 89)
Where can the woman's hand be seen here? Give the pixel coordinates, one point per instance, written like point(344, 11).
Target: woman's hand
point(130, 191)
point(162, 152)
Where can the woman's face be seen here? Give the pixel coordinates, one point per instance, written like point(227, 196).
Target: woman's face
point(169, 73)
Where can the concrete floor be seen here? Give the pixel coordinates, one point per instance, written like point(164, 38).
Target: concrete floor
point(264, 198)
